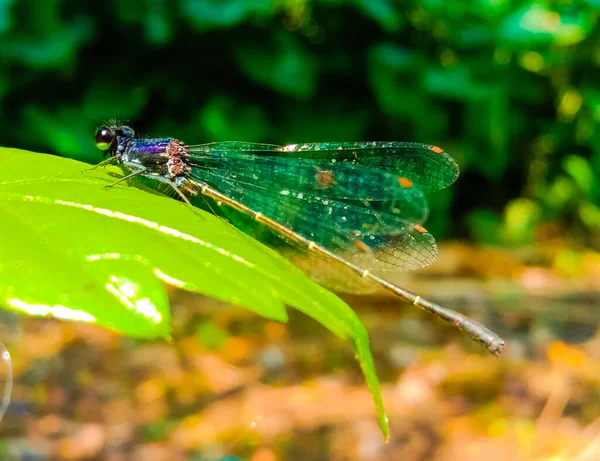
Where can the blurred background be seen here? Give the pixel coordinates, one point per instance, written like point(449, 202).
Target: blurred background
point(509, 88)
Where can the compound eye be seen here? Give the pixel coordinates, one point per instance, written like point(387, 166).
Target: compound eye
point(104, 138)
point(125, 132)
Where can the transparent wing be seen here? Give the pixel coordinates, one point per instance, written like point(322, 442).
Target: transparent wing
point(376, 240)
point(324, 177)
point(312, 180)
point(427, 166)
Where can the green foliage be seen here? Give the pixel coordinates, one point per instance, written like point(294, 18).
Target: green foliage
point(282, 66)
point(211, 336)
point(101, 256)
point(508, 87)
point(210, 14)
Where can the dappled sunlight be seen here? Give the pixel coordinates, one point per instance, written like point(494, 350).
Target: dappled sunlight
point(127, 293)
point(58, 311)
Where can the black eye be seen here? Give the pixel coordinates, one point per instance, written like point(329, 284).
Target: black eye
point(104, 138)
point(125, 132)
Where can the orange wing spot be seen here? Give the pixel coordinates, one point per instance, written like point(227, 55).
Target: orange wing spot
point(420, 229)
point(436, 149)
point(325, 179)
point(405, 182)
point(361, 246)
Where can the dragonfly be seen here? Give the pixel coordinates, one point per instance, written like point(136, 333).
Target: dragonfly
point(360, 205)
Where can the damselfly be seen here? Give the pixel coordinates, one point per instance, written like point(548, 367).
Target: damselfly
point(360, 204)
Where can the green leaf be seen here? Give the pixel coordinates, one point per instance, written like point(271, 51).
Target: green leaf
point(396, 77)
point(581, 171)
point(210, 14)
point(281, 64)
point(521, 217)
point(222, 118)
point(156, 17)
point(51, 47)
point(211, 336)
point(71, 250)
point(383, 11)
point(485, 226)
point(5, 16)
point(393, 75)
point(535, 24)
point(329, 121)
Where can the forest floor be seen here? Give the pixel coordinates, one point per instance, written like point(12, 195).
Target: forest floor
point(231, 385)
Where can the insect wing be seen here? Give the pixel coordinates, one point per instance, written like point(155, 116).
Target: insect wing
point(429, 167)
point(377, 241)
